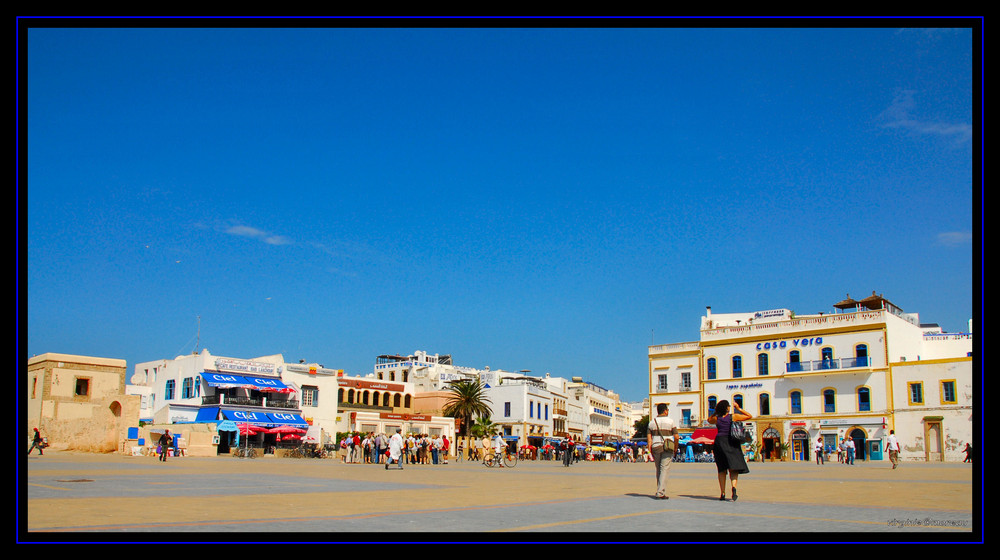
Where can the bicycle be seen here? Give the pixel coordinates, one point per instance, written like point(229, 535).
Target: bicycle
point(248, 452)
point(508, 459)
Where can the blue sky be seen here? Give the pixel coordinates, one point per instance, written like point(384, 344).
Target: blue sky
point(544, 199)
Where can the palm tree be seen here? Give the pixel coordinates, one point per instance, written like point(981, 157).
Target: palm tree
point(467, 401)
point(484, 427)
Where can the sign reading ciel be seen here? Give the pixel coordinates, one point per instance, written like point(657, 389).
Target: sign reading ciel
point(244, 366)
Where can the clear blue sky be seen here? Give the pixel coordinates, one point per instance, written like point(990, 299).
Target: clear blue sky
point(543, 199)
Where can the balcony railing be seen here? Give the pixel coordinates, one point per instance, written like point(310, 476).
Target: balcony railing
point(247, 401)
point(822, 365)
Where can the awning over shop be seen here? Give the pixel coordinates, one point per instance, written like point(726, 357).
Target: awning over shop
point(700, 435)
point(288, 419)
point(269, 419)
point(247, 417)
point(210, 414)
point(268, 384)
point(226, 380)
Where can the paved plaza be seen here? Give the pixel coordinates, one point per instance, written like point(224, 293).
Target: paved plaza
point(76, 496)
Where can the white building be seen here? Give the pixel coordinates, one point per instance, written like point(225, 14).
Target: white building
point(202, 388)
point(801, 377)
point(530, 409)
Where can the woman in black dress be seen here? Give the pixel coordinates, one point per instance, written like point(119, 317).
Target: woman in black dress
point(728, 455)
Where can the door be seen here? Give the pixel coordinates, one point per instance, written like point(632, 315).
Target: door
point(935, 447)
point(858, 436)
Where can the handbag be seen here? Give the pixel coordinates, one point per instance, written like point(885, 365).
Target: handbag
point(738, 433)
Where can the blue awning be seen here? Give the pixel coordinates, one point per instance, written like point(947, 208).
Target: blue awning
point(210, 414)
point(247, 417)
point(287, 419)
point(224, 380)
point(268, 384)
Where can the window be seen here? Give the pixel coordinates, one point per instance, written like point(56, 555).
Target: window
point(916, 392)
point(948, 395)
point(531, 409)
point(738, 399)
point(686, 381)
point(712, 401)
point(310, 396)
point(710, 367)
point(762, 364)
point(546, 411)
point(661, 382)
point(793, 361)
point(864, 399)
point(829, 400)
point(82, 388)
point(861, 355)
point(795, 400)
point(168, 390)
point(764, 404)
point(187, 388)
point(506, 409)
point(737, 366)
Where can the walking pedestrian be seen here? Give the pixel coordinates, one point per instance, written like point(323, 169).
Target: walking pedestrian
point(164, 443)
point(37, 443)
point(819, 450)
point(661, 438)
point(892, 446)
point(728, 455)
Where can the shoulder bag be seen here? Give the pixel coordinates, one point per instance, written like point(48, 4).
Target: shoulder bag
point(738, 433)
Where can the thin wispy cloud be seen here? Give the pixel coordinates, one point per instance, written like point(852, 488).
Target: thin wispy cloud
point(953, 238)
point(900, 115)
point(254, 233)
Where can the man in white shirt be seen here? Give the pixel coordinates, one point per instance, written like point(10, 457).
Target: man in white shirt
point(661, 440)
point(892, 446)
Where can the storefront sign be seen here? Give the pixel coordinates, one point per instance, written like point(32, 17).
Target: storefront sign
point(406, 417)
point(244, 366)
point(381, 386)
point(756, 385)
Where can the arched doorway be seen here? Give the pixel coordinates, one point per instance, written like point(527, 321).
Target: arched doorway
point(859, 437)
point(770, 445)
point(800, 445)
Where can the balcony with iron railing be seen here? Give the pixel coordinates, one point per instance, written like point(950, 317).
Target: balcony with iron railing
point(826, 365)
point(262, 402)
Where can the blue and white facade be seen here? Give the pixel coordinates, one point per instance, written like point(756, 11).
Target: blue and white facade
point(202, 388)
point(801, 377)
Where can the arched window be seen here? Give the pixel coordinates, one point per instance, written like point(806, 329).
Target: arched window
point(737, 366)
point(764, 404)
point(861, 355)
point(762, 360)
point(864, 399)
point(712, 401)
point(738, 399)
point(710, 367)
point(793, 361)
point(829, 400)
point(795, 402)
point(395, 400)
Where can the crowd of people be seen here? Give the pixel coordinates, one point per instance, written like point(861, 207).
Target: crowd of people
point(377, 449)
